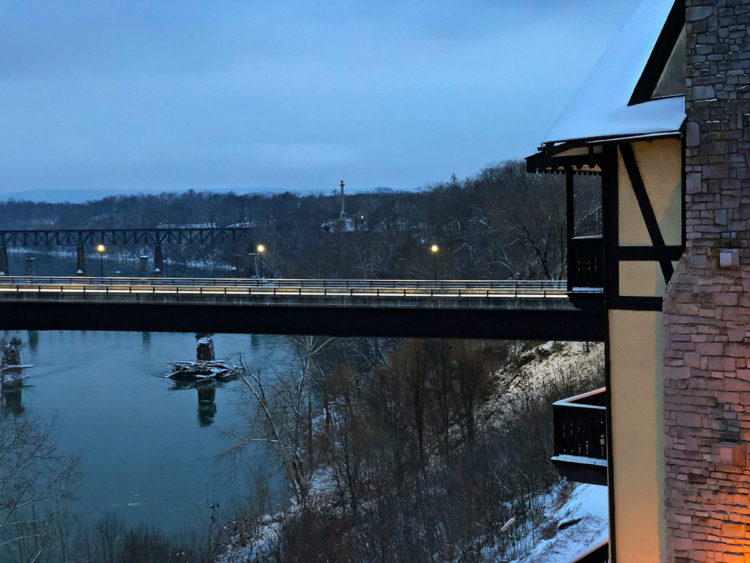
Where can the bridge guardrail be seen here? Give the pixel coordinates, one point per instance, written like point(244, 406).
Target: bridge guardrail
point(287, 287)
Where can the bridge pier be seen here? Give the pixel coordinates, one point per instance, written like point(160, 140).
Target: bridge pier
point(158, 261)
point(4, 266)
point(29, 269)
point(143, 266)
point(80, 261)
point(204, 347)
point(234, 267)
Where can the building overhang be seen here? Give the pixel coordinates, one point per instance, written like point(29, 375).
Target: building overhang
point(582, 156)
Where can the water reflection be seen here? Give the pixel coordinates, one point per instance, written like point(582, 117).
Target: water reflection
point(206, 406)
point(11, 398)
point(33, 338)
point(206, 398)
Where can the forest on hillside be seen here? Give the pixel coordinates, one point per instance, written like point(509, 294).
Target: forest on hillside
point(501, 223)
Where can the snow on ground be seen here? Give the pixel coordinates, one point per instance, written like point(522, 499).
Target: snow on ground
point(541, 366)
point(259, 546)
point(579, 524)
point(575, 518)
point(241, 550)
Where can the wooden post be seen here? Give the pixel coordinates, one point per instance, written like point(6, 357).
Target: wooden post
point(570, 223)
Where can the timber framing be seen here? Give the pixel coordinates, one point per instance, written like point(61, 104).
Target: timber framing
point(647, 210)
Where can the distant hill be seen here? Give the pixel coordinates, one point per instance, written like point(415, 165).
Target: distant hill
point(500, 224)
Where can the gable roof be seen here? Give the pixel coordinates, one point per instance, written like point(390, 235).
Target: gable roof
point(601, 108)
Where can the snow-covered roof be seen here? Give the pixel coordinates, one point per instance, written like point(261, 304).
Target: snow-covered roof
point(600, 107)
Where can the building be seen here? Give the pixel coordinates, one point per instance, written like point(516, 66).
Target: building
point(664, 118)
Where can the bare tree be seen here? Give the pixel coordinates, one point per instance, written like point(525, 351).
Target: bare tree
point(284, 411)
point(36, 483)
point(109, 532)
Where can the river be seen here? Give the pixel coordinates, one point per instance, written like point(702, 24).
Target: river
point(150, 451)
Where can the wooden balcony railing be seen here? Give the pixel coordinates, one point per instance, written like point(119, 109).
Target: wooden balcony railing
point(586, 262)
point(580, 432)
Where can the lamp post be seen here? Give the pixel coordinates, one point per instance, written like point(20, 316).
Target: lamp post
point(434, 249)
point(260, 249)
point(100, 248)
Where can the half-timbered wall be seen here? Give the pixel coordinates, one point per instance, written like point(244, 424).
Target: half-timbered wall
point(643, 192)
point(650, 222)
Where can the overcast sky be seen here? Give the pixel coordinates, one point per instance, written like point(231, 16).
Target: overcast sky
point(115, 96)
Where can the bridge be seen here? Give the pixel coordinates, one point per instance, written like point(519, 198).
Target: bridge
point(156, 237)
point(78, 237)
point(538, 310)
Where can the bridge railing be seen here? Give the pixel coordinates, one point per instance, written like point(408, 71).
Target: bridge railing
point(332, 287)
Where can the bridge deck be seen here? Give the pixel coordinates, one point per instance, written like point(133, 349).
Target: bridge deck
point(463, 308)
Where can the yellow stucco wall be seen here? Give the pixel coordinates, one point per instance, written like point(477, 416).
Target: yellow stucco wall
point(641, 278)
point(636, 433)
point(660, 164)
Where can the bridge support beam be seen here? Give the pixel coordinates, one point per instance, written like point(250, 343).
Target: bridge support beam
point(158, 261)
point(4, 266)
point(29, 269)
point(80, 261)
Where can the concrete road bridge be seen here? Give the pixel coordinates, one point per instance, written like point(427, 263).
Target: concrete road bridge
point(407, 308)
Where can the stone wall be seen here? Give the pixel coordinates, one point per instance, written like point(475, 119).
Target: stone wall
point(707, 305)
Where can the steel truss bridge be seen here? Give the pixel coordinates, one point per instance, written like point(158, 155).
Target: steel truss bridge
point(80, 238)
point(409, 308)
point(83, 237)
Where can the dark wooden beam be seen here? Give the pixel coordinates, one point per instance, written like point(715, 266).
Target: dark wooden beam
point(570, 222)
point(647, 211)
point(610, 227)
point(649, 252)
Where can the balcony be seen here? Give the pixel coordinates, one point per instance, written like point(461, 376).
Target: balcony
point(580, 427)
point(586, 264)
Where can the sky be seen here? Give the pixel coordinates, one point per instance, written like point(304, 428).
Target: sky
point(123, 97)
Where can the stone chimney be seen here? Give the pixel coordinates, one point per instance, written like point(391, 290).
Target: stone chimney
point(707, 303)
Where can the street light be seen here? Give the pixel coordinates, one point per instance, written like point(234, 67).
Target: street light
point(100, 248)
point(261, 249)
point(434, 249)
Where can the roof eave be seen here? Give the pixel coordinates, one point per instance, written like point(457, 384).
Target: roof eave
point(545, 161)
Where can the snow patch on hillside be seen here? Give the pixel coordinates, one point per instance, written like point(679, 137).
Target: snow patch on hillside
point(571, 529)
point(575, 516)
